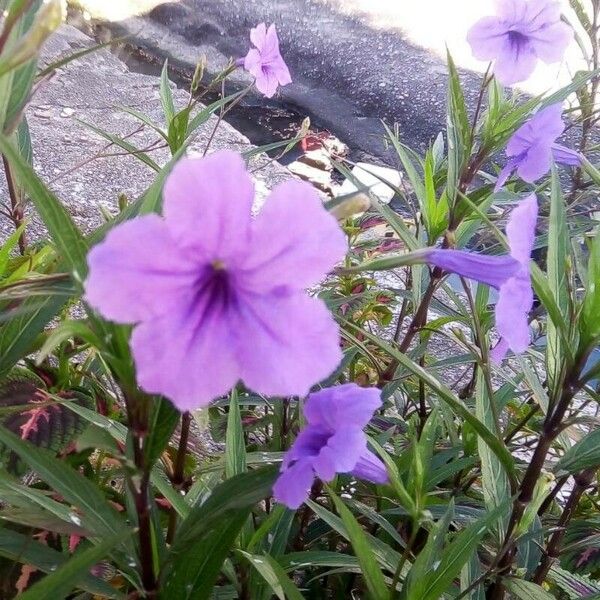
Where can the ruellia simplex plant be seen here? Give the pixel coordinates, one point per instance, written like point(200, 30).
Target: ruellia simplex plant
point(410, 416)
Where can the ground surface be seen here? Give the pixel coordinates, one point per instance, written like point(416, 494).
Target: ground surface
point(354, 62)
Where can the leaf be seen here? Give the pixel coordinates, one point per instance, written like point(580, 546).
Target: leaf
point(585, 454)
point(558, 236)
point(576, 587)
point(65, 235)
point(526, 590)
point(61, 582)
point(589, 328)
point(178, 128)
point(435, 577)
point(274, 574)
point(369, 567)
point(494, 482)
point(386, 556)
point(75, 489)
point(20, 548)
point(124, 144)
point(206, 536)
point(166, 95)
point(35, 416)
point(235, 445)
point(163, 422)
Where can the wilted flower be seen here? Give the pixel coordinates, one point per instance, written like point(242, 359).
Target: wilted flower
point(521, 33)
point(508, 274)
point(533, 146)
point(216, 296)
point(265, 62)
point(332, 442)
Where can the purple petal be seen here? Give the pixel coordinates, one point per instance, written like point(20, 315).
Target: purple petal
point(271, 46)
point(505, 173)
point(514, 303)
point(551, 41)
point(541, 13)
point(512, 11)
point(208, 205)
point(536, 163)
point(258, 36)
point(266, 81)
point(253, 62)
point(487, 38)
point(543, 128)
point(137, 272)
point(499, 351)
point(292, 487)
point(343, 404)
point(281, 71)
point(565, 156)
point(520, 229)
point(297, 241)
point(308, 444)
point(186, 355)
point(285, 343)
point(371, 468)
point(516, 62)
point(342, 452)
point(491, 270)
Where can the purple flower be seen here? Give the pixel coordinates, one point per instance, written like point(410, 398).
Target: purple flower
point(508, 274)
point(332, 442)
point(216, 296)
point(521, 33)
point(532, 148)
point(265, 61)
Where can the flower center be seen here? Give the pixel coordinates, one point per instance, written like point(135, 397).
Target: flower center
point(516, 38)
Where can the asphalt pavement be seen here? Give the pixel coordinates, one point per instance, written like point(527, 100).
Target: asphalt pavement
point(354, 62)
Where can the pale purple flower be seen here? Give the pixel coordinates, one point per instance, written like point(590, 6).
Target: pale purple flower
point(217, 296)
point(533, 146)
point(333, 441)
point(521, 33)
point(265, 62)
point(508, 274)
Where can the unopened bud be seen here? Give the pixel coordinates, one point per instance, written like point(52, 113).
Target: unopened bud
point(46, 21)
point(198, 74)
point(346, 206)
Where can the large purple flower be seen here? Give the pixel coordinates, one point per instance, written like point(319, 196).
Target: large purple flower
point(533, 146)
point(508, 274)
point(332, 442)
point(265, 62)
point(216, 296)
point(522, 32)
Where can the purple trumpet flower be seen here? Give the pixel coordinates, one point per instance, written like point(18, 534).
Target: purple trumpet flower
point(216, 296)
point(265, 62)
point(518, 35)
point(508, 274)
point(332, 442)
point(533, 146)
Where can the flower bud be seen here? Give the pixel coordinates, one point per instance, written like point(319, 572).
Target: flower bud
point(46, 21)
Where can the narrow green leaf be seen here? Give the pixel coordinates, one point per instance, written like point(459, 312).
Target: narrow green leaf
point(67, 238)
point(74, 488)
point(22, 549)
point(557, 279)
point(206, 536)
point(526, 590)
point(590, 323)
point(494, 482)
point(274, 574)
point(122, 143)
point(370, 569)
point(585, 454)
point(235, 444)
point(166, 95)
point(69, 576)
